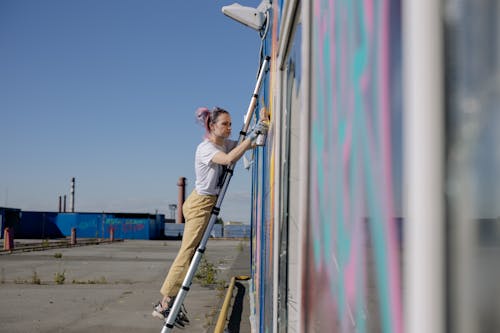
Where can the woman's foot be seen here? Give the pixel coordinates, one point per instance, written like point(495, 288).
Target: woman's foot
point(161, 310)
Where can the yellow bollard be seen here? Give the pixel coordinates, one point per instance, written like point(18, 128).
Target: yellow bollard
point(221, 321)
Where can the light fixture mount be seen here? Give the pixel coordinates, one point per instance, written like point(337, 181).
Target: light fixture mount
point(249, 16)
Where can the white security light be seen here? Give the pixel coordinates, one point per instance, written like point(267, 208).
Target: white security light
point(249, 16)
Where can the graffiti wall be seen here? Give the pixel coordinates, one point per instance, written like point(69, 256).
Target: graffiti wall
point(348, 88)
point(352, 277)
point(328, 219)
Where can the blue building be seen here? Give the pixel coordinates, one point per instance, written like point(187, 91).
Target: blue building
point(42, 225)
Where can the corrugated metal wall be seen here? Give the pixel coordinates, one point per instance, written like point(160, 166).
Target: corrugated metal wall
point(90, 225)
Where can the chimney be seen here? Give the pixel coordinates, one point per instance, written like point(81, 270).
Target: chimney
point(182, 192)
point(60, 204)
point(72, 196)
point(64, 205)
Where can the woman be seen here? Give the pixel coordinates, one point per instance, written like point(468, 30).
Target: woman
point(214, 153)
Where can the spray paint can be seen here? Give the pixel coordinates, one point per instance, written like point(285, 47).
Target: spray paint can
point(261, 140)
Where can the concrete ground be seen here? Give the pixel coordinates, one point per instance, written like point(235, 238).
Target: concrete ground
point(111, 287)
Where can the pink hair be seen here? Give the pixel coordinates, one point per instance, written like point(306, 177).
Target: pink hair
point(205, 117)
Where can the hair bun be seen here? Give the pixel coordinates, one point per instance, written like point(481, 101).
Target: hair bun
point(202, 113)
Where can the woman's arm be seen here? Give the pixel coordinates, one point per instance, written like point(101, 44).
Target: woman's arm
point(234, 155)
point(249, 143)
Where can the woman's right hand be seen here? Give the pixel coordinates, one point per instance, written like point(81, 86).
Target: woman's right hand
point(260, 127)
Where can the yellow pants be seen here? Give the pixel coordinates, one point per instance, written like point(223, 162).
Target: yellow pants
point(197, 210)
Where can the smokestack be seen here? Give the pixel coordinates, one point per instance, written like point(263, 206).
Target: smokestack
point(64, 205)
point(60, 204)
point(182, 193)
point(72, 197)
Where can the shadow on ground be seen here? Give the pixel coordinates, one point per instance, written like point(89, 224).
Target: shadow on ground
point(235, 319)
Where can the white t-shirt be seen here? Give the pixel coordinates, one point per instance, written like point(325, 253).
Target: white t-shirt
point(208, 172)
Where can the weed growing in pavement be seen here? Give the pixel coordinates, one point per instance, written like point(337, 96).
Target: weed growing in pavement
point(59, 277)
point(206, 273)
point(58, 255)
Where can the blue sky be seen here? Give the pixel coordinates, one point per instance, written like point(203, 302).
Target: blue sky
point(105, 91)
